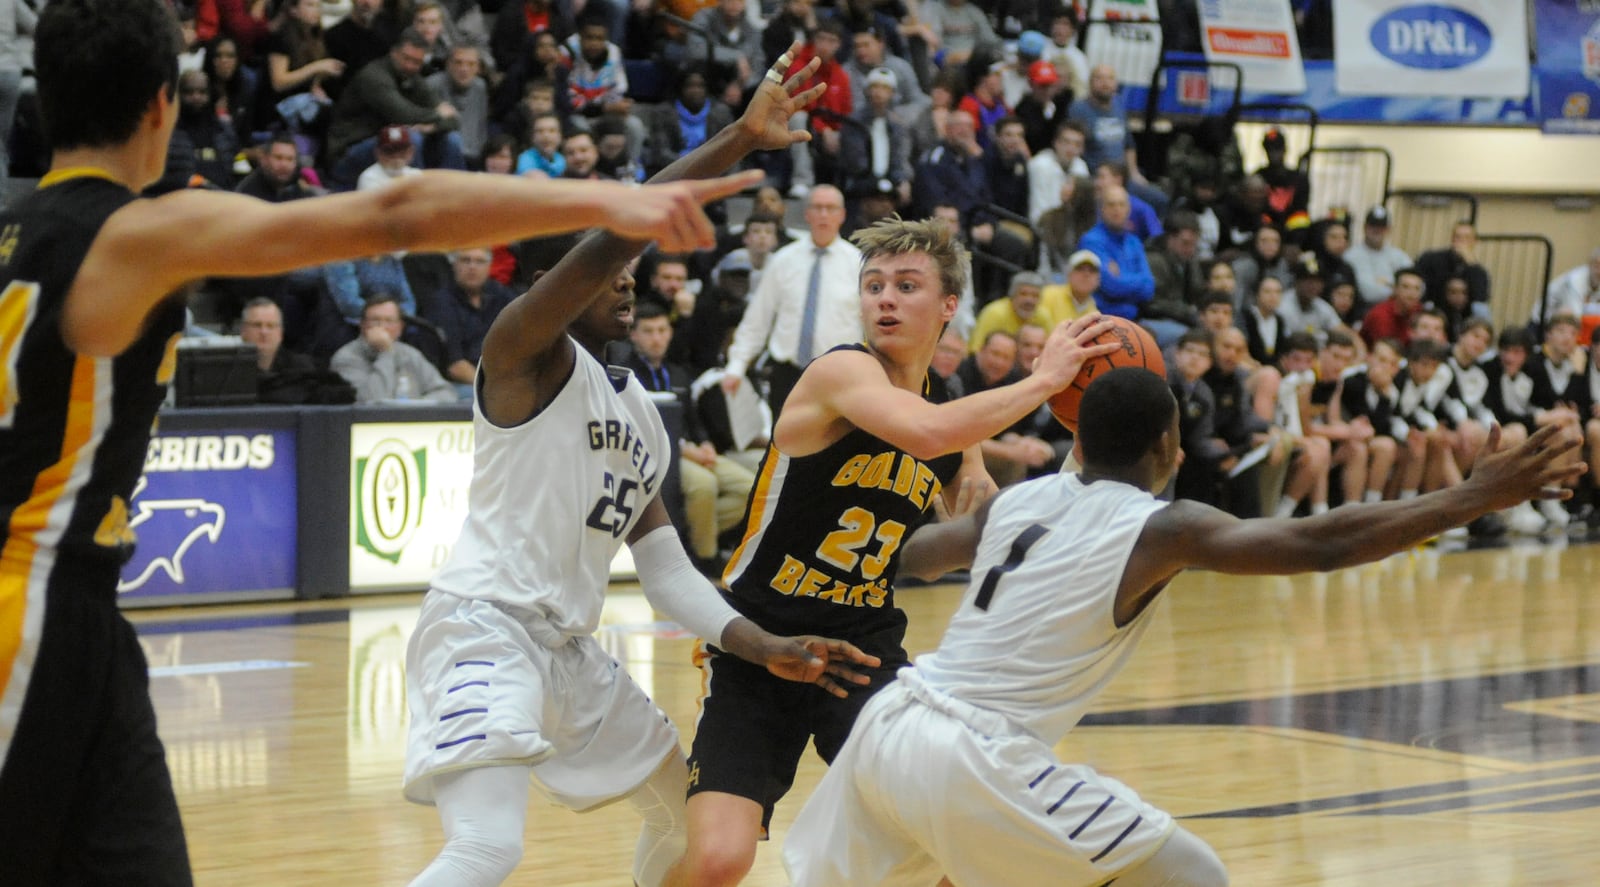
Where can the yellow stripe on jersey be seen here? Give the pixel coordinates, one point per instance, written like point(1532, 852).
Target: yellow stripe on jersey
point(67, 174)
point(17, 306)
point(757, 514)
point(29, 518)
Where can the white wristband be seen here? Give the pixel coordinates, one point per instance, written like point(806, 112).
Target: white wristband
point(673, 586)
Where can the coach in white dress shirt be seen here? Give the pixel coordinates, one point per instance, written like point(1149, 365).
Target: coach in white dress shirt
point(822, 272)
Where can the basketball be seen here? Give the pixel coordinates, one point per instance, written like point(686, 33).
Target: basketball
point(1138, 350)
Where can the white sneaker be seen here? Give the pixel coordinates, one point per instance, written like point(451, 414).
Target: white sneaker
point(1554, 513)
point(799, 191)
point(1525, 521)
point(1455, 533)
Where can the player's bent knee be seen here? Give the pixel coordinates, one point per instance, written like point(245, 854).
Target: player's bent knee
point(719, 863)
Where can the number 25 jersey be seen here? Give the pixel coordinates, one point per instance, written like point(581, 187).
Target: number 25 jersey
point(823, 535)
point(552, 499)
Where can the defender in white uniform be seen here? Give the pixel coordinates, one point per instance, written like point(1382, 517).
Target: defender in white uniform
point(505, 680)
point(951, 771)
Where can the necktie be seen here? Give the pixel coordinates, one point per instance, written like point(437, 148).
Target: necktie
point(663, 382)
point(808, 318)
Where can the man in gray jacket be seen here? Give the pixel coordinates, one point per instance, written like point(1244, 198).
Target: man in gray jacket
point(383, 368)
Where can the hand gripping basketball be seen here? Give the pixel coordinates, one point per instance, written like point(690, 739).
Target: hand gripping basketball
point(1131, 345)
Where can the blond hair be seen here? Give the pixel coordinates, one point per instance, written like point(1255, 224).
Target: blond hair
point(895, 236)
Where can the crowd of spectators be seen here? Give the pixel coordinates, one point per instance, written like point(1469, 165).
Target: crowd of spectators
point(1316, 363)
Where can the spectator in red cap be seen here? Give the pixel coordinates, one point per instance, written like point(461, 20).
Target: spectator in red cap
point(394, 154)
point(1044, 107)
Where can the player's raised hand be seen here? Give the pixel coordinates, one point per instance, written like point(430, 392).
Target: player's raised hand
point(672, 214)
point(766, 120)
point(1070, 344)
point(1529, 470)
point(808, 659)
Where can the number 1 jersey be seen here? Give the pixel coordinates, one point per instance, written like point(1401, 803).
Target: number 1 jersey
point(552, 499)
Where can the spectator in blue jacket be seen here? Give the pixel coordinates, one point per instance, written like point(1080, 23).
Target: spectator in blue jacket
point(1125, 278)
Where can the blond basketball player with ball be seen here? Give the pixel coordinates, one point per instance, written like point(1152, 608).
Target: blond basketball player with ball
point(952, 771)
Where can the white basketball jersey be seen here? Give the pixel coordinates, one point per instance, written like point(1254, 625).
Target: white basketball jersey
point(553, 499)
point(1035, 638)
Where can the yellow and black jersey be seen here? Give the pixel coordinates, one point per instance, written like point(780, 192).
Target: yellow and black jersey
point(73, 429)
point(823, 535)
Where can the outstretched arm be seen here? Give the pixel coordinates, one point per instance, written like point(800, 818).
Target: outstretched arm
point(526, 330)
point(198, 234)
point(1187, 534)
point(852, 386)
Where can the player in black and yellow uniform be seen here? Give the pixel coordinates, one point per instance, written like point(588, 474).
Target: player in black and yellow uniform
point(87, 338)
point(865, 450)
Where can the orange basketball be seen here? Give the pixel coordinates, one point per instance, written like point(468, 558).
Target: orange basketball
point(1138, 350)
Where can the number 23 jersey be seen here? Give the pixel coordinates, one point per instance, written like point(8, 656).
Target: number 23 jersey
point(823, 535)
point(552, 499)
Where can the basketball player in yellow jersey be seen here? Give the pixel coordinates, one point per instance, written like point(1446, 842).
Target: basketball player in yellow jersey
point(864, 448)
point(86, 348)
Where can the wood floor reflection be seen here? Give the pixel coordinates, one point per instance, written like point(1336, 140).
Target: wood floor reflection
point(1431, 719)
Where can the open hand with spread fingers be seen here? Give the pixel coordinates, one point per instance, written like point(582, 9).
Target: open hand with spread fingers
point(826, 662)
point(766, 120)
point(1534, 469)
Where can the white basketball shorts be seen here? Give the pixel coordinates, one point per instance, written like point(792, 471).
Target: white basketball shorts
point(928, 785)
point(483, 692)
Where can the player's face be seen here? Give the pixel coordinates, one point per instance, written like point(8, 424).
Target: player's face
point(1428, 327)
point(471, 268)
point(1473, 343)
point(760, 238)
point(262, 327)
point(1336, 359)
point(1336, 239)
point(1408, 291)
point(610, 317)
point(499, 163)
point(1513, 359)
point(1422, 370)
point(825, 214)
point(1382, 366)
point(1194, 358)
point(949, 353)
point(903, 304)
point(1068, 145)
point(1030, 344)
point(869, 50)
point(1221, 279)
point(1297, 361)
point(1268, 242)
point(1561, 339)
point(430, 23)
point(547, 134)
point(1269, 295)
point(652, 337)
point(464, 66)
point(581, 155)
point(281, 162)
point(1083, 281)
point(1025, 301)
point(1230, 350)
point(669, 279)
point(997, 358)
